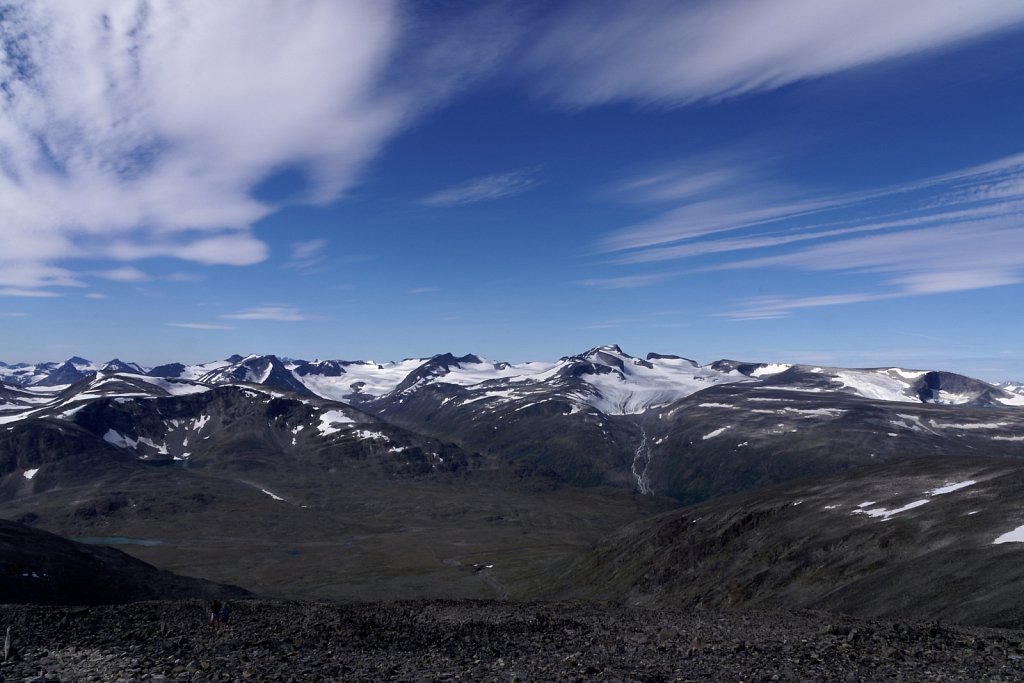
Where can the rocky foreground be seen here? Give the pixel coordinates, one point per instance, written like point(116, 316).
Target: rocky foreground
point(488, 641)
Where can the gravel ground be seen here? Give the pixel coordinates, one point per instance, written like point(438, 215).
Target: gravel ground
point(160, 642)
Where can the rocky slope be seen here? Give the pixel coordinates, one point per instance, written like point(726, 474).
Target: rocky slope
point(927, 539)
point(481, 641)
point(41, 568)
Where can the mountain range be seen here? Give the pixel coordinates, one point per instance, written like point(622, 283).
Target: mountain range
point(458, 476)
point(660, 424)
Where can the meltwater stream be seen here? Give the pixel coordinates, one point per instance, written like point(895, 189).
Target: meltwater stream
point(641, 461)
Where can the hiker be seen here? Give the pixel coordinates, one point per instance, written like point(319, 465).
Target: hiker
point(224, 616)
point(215, 609)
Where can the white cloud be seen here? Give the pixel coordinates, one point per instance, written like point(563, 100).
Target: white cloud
point(772, 308)
point(678, 52)
point(271, 312)
point(307, 254)
point(16, 291)
point(200, 326)
point(957, 231)
point(123, 274)
point(483, 189)
point(184, 277)
point(423, 290)
point(13, 315)
point(628, 281)
point(132, 129)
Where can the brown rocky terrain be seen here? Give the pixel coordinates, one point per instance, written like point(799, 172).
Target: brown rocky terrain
point(157, 642)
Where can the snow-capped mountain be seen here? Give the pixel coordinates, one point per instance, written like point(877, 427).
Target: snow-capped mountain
point(604, 378)
point(1012, 387)
point(662, 424)
point(265, 370)
point(118, 365)
point(613, 382)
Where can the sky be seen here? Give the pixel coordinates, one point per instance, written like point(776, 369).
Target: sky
point(797, 181)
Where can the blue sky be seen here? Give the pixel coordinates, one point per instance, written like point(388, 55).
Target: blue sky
point(789, 181)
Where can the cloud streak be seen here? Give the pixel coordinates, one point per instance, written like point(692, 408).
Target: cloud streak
point(277, 313)
point(628, 281)
point(953, 232)
point(673, 53)
point(306, 255)
point(486, 188)
point(200, 326)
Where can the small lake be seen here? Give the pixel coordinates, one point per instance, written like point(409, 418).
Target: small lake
point(116, 540)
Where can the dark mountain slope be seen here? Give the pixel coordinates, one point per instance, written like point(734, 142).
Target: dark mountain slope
point(915, 538)
point(735, 437)
point(42, 568)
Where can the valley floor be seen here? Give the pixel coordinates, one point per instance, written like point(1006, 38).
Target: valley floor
point(490, 641)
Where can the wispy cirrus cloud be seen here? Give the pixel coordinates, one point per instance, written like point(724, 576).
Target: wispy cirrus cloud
point(307, 254)
point(957, 231)
point(123, 274)
point(17, 291)
point(485, 188)
point(279, 313)
point(773, 308)
point(200, 326)
point(628, 281)
point(662, 51)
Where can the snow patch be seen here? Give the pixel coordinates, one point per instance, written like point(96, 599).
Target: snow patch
point(715, 433)
point(887, 514)
point(1015, 536)
point(949, 488)
point(367, 434)
point(274, 496)
point(906, 374)
point(113, 437)
point(974, 425)
point(28, 474)
point(330, 418)
point(770, 369)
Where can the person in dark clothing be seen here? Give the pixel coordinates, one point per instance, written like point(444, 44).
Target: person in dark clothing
point(224, 616)
point(215, 609)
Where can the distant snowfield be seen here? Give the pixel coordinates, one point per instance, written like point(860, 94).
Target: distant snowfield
point(640, 388)
point(878, 385)
point(632, 390)
point(377, 379)
point(770, 369)
point(174, 388)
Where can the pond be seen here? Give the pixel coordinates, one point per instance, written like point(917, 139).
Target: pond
point(116, 540)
